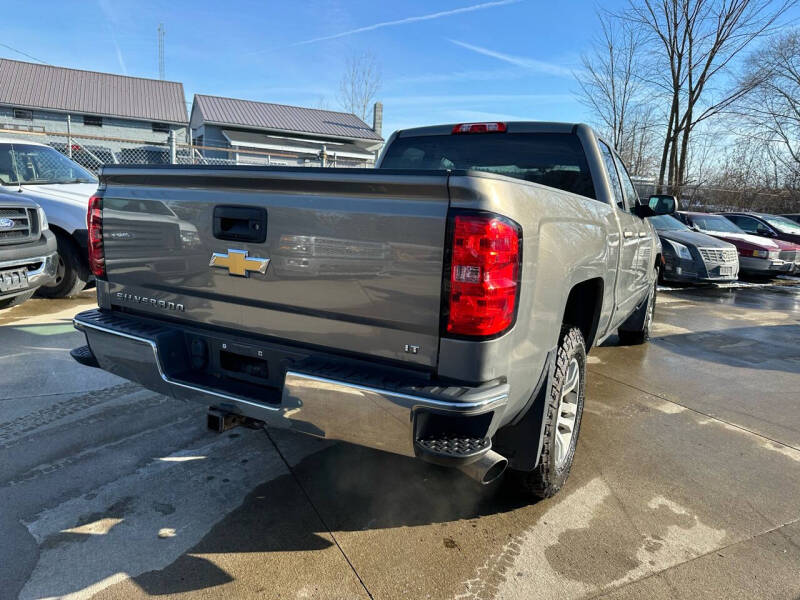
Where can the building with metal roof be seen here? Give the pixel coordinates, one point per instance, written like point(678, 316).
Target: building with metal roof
point(40, 98)
point(277, 134)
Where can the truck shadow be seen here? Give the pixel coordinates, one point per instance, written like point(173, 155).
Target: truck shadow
point(342, 488)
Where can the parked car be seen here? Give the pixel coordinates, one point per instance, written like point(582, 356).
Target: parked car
point(770, 226)
point(62, 188)
point(27, 250)
point(691, 256)
point(793, 216)
point(510, 250)
point(757, 255)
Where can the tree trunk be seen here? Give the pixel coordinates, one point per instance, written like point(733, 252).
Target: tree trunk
point(667, 140)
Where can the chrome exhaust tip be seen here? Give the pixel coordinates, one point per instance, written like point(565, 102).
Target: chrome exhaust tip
point(488, 468)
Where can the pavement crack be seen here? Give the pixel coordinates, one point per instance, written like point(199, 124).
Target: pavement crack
point(694, 410)
point(318, 513)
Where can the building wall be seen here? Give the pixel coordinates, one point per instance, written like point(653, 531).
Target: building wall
point(56, 122)
point(212, 136)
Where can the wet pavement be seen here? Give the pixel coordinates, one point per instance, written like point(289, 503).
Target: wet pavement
point(685, 485)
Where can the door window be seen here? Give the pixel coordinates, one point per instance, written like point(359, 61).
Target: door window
point(751, 225)
point(616, 187)
point(628, 191)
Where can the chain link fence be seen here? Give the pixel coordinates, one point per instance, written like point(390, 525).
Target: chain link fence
point(712, 198)
point(92, 152)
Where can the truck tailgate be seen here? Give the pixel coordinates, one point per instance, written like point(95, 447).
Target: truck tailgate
point(355, 256)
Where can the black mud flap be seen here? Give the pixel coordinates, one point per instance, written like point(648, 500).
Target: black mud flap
point(521, 440)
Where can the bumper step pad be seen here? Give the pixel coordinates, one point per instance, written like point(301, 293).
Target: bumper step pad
point(455, 446)
point(84, 355)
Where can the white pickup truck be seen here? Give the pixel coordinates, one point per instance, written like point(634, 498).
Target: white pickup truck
point(62, 188)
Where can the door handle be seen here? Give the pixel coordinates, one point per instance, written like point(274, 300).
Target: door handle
point(642, 234)
point(240, 224)
point(627, 234)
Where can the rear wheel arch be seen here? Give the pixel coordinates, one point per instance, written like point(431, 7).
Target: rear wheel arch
point(74, 238)
point(73, 268)
point(583, 307)
point(521, 441)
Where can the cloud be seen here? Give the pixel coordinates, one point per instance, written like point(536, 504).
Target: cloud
point(407, 20)
point(473, 99)
point(112, 22)
point(456, 76)
point(532, 64)
point(120, 60)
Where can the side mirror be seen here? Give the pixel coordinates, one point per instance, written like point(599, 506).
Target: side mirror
point(660, 204)
point(663, 204)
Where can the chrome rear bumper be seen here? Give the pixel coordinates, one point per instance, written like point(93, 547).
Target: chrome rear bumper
point(309, 403)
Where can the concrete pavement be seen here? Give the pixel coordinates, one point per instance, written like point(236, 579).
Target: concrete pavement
point(685, 483)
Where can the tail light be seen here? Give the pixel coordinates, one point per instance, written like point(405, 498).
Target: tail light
point(483, 283)
point(492, 127)
point(94, 221)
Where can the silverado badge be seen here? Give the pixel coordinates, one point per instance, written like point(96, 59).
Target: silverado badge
point(238, 263)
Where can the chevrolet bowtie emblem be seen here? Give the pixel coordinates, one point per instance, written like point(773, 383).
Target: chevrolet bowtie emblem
point(238, 263)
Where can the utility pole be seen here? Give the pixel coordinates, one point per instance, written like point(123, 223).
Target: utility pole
point(161, 73)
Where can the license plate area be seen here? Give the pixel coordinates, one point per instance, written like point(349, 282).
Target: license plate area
point(244, 366)
point(726, 270)
point(14, 279)
point(242, 369)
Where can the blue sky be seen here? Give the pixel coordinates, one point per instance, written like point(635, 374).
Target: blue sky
point(454, 60)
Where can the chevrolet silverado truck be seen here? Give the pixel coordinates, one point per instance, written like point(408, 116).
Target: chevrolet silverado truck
point(439, 306)
point(28, 257)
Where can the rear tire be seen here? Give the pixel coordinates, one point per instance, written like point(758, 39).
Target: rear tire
point(636, 330)
point(15, 301)
point(71, 274)
point(562, 420)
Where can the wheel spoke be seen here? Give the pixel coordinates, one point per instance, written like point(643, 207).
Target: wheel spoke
point(572, 379)
point(566, 414)
point(560, 450)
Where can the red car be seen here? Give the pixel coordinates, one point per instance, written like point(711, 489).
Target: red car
point(768, 226)
point(757, 255)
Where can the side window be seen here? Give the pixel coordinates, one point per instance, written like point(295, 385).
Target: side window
point(616, 188)
point(7, 170)
point(749, 224)
point(631, 197)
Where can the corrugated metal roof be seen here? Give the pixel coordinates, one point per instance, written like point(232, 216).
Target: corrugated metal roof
point(280, 117)
point(30, 85)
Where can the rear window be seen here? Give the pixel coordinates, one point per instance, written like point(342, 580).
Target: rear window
point(553, 159)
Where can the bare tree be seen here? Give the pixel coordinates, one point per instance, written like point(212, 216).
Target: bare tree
point(772, 112)
point(611, 87)
point(609, 81)
point(693, 44)
point(322, 102)
point(359, 85)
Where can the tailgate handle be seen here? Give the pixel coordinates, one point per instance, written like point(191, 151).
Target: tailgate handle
point(240, 223)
